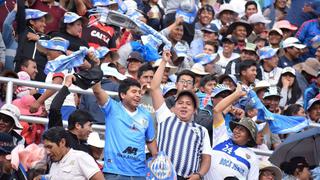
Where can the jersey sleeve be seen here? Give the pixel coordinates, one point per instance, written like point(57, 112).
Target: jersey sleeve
point(87, 165)
point(150, 132)
point(163, 113)
point(206, 143)
point(219, 133)
point(254, 169)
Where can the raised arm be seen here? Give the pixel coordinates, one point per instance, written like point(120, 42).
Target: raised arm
point(224, 104)
point(156, 94)
point(101, 95)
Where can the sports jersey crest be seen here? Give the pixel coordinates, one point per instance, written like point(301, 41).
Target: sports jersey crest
point(160, 168)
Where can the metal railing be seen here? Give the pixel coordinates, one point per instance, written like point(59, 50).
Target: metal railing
point(101, 128)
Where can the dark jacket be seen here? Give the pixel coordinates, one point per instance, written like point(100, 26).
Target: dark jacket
point(75, 42)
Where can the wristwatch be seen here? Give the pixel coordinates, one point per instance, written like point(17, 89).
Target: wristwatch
point(197, 173)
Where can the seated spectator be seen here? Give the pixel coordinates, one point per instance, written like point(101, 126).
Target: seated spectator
point(292, 52)
point(261, 87)
point(135, 61)
point(312, 91)
point(210, 47)
point(224, 18)
point(276, 11)
point(169, 70)
point(259, 23)
point(313, 110)
point(271, 99)
point(286, 27)
point(294, 110)
point(268, 170)
point(28, 72)
point(248, 72)
point(275, 37)
point(269, 65)
point(75, 164)
point(289, 88)
point(226, 54)
point(296, 168)
point(199, 72)
point(241, 30)
point(207, 83)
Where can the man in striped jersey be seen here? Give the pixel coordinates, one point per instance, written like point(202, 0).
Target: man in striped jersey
point(231, 156)
point(186, 143)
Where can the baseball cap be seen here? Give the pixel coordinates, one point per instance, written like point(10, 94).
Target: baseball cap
point(135, 56)
point(96, 3)
point(261, 84)
point(13, 112)
point(276, 30)
point(292, 42)
point(198, 69)
point(56, 43)
point(70, 17)
point(94, 140)
point(312, 101)
point(272, 91)
point(168, 87)
point(6, 143)
point(288, 70)
point(250, 125)
point(266, 165)
point(229, 38)
point(258, 18)
point(315, 41)
point(34, 14)
point(110, 71)
point(231, 76)
point(219, 89)
point(204, 58)
point(267, 52)
point(210, 28)
point(285, 24)
point(191, 95)
point(250, 47)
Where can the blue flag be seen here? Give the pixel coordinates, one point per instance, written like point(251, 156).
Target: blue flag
point(63, 62)
point(147, 52)
point(279, 124)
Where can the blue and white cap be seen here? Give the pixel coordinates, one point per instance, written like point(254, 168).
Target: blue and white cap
point(101, 52)
point(151, 40)
point(267, 52)
point(219, 89)
point(70, 17)
point(56, 43)
point(204, 58)
point(261, 126)
point(34, 14)
point(187, 11)
point(96, 3)
point(181, 50)
point(168, 87)
point(311, 102)
point(272, 91)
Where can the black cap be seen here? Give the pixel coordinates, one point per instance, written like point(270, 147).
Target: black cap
point(6, 143)
point(134, 55)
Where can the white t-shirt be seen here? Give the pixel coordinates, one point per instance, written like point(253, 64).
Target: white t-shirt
point(229, 159)
point(69, 101)
point(75, 165)
point(273, 76)
point(223, 61)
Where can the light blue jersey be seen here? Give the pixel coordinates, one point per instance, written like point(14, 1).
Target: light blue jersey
point(125, 139)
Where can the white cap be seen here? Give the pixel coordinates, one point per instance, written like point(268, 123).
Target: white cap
point(110, 71)
point(292, 42)
point(277, 30)
point(261, 84)
point(258, 18)
point(288, 70)
point(94, 140)
point(13, 112)
point(198, 69)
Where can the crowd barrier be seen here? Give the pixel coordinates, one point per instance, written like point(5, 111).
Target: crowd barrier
point(100, 128)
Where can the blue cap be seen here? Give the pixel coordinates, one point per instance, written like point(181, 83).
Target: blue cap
point(70, 17)
point(96, 3)
point(34, 14)
point(219, 89)
point(204, 58)
point(267, 52)
point(181, 49)
point(168, 87)
point(101, 51)
point(210, 28)
point(56, 43)
point(311, 102)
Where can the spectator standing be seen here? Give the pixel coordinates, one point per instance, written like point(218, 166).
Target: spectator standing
point(258, 22)
point(251, 7)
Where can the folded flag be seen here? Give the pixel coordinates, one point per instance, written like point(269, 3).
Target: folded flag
point(67, 62)
point(148, 52)
point(279, 124)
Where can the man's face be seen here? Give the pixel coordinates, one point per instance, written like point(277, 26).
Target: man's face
point(229, 82)
point(241, 135)
point(294, 52)
point(259, 28)
point(274, 38)
point(185, 82)
point(210, 36)
point(133, 65)
point(6, 123)
point(250, 74)
point(184, 108)
point(272, 62)
point(248, 55)
point(226, 17)
point(228, 47)
point(251, 9)
point(31, 69)
point(314, 112)
point(54, 151)
point(267, 175)
point(39, 25)
point(240, 33)
point(208, 49)
point(176, 33)
point(132, 97)
point(208, 87)
point(84, 131)
point(146, 77)
point(272, 103)
point(205, 17)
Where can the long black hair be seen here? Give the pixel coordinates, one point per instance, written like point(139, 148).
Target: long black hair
point(295, 90)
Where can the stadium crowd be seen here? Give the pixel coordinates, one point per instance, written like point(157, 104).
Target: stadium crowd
point(199, 82)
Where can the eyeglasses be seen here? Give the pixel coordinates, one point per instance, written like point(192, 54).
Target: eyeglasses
point(188, 82)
